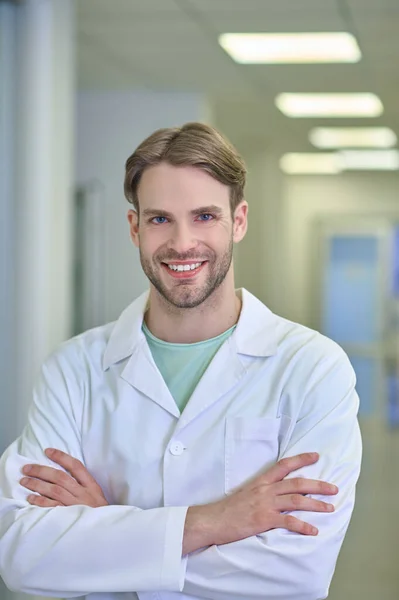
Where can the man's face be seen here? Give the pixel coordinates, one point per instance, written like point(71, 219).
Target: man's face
point(185, 232)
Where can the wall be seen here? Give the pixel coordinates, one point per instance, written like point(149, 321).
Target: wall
point(7, 116)
point(258, 257)
point(109, 127)
point(43, 184)
point(8, 417)
point(305, 199)
point(36, 118)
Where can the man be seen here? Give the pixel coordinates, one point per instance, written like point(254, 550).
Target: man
point(198, 440)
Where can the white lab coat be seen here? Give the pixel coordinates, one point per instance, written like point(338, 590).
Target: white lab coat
point(274, 389)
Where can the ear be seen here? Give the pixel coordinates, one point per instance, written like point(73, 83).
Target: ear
point(240, 221)
point(133, 218)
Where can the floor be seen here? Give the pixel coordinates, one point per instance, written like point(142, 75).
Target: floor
point(368, 566)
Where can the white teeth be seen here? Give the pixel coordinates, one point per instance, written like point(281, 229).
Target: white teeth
point(185, 267)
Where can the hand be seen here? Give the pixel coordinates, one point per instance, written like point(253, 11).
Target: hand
point(57, 488)
point(258, 507)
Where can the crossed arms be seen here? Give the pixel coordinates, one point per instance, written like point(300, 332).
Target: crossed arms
point(249, 544)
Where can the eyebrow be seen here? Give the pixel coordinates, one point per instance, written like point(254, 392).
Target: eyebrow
point(152, 212)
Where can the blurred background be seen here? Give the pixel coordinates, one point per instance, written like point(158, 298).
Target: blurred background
point(82, 82)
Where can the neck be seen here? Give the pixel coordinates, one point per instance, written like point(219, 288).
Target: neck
point(189, 325)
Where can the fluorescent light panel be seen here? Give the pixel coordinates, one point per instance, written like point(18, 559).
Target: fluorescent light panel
point(352, 137)
point(370, 160)
point(330, 163)
point(273, 48)
point(295, 163)
point(329, 105)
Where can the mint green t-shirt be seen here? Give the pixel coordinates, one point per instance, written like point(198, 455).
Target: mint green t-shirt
point(182, 365)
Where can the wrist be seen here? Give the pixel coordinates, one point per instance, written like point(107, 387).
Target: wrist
point(199, 529)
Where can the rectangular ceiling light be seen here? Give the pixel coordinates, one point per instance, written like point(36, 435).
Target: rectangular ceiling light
point(274, 48)
point(369, 160)
point(329, 105)
point(331, 163)
point(352, 137)
point(296, 163)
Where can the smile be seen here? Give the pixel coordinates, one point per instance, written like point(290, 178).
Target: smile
point(183, 270)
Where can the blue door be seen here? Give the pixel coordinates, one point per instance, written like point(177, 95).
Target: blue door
point(351, 308)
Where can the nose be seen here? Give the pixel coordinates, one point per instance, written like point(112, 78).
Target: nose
point(182, 239)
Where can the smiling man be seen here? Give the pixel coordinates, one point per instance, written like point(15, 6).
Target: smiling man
point(190, 449)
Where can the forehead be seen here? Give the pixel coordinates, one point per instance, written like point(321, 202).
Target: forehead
point(164, 186)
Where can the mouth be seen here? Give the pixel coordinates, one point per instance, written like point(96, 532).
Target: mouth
point(184, 270)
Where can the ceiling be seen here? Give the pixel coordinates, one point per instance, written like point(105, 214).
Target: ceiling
point(172, 44)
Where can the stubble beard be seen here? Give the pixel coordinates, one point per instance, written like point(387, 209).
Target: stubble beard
point(186, 294)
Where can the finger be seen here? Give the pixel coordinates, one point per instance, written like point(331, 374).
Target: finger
point(53, 475)
point(301, 485)
point(298, 502)
point(285, 466)
point(296, 525)
point(50, 491)
point(42, 501)
point(74, 466)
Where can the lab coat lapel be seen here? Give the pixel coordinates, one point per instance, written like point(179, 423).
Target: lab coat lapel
point(221, 376)
point(142, 373)
point(254, 336)
point(127, 343)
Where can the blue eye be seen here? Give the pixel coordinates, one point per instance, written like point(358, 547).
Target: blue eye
point(159, 220)
point(206, 217)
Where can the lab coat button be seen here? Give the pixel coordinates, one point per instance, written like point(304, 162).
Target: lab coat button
point(176, 448)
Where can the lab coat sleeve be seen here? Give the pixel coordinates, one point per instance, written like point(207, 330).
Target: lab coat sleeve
point(284, 565)
point(73, 551)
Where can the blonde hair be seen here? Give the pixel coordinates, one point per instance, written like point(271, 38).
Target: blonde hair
point(195, 145)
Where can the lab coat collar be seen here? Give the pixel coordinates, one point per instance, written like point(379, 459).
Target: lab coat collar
point(127, 332)
point(256, 331)
point(255, 334)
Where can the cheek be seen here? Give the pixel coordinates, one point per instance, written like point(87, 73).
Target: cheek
point(150, 245)
point(219, 238)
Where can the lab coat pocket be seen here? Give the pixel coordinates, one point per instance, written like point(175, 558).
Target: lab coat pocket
point(251, 447)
